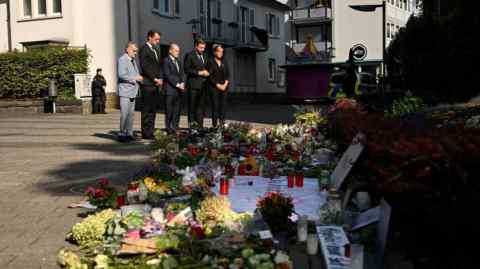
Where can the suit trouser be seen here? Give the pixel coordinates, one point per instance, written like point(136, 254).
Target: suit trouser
point(150, 101)
point(127, 114)
point(196, 106)
point(218, 101)
point(172, 111)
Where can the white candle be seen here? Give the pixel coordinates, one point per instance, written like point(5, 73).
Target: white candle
point(302, 229)
point(312, 244)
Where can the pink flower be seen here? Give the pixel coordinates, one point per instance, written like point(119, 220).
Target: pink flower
point(103, 181)
point(90, 191)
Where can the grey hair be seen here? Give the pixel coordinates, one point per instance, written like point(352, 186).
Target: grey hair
point(172, 45)
point(130, 44)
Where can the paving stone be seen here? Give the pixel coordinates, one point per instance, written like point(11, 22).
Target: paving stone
point(47, 160)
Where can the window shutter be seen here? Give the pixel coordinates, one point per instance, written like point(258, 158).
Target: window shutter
point(251, 23)
point(176, 7)
point(252, 17)
point(267, 23)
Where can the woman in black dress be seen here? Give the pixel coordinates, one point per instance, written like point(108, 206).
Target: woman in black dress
point(218, 85)
point(98, 93)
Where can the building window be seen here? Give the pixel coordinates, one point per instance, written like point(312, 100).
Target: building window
point(272, 70)
point(27, 8)
point(272, 24)
point(57, 7)
point(388, 30)
point(42, 7)
point(167, 7)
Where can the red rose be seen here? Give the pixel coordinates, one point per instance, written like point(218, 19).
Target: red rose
point(99, 193)
point(103, 181)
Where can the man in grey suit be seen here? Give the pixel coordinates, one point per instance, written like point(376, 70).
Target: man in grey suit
point(128, 84)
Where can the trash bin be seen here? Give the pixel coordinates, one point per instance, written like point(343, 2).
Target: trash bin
point(49, 101)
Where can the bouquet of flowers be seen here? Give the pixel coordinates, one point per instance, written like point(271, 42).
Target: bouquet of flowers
point(276, 210)
point(102, 196)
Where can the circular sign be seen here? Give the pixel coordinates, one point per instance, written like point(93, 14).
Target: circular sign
point(359, 52)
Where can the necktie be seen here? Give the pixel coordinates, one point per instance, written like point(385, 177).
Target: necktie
point(201, 58)
point(133, 63)
point(154, 52)
point(176, 64)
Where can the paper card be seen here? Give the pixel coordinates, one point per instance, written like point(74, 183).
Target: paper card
point(366, 218)
point(338, 261)
point(333, 235)
point(347, 161)
point(265, 235)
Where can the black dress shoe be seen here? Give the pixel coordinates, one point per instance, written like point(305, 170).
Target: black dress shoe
point(132, 138)
point(123, 139)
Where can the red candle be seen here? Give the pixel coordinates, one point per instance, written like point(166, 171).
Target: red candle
point(291, 180)
point(299, 180)
point(224, 186)
point(348, 251)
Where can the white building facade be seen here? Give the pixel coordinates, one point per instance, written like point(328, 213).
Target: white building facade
point(336, 27)
point(105, 26)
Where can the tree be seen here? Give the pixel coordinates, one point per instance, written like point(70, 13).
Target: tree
point(436, 55)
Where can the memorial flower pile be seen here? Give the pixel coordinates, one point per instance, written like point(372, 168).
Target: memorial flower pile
point(172, 217)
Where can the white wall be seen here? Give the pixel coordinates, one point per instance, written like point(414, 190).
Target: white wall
point(35, 30)
point(351, 27)
point(104, 30)
point(276, 50)
point(3, 26)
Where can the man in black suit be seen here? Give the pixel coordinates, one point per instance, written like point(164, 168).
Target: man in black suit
point(150, 62)
point(197, 74)
point(174, 78)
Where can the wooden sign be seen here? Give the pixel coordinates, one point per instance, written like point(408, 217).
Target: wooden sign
point(347, 161)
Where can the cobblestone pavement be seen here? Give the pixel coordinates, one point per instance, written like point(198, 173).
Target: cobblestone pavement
point(47, 160)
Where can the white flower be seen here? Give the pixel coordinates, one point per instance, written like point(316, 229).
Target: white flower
point(281, 257)
point(188, 176)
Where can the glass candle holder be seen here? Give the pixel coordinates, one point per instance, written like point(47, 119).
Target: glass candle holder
point(291, 181)
point(299, 180)
point(312, 244)
point(302, 229)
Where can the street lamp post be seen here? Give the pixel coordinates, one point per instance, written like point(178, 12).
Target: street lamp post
point(372, 8)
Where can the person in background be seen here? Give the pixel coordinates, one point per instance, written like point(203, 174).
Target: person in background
point(174, 78)
point(151, 64)
point(98, 93)
point(128, 83)
point(218, 85)
point(197, 74)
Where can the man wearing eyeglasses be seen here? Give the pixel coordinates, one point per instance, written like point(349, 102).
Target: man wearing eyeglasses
point(128, 84)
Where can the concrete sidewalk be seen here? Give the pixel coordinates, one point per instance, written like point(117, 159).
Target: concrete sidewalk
point(47, 160)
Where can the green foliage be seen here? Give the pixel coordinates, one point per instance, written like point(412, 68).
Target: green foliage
point(26, 74)
point(436, 56)
point(405, 105)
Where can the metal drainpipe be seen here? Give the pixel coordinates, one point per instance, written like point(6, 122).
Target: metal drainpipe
point(9, 26)
point(129, 16)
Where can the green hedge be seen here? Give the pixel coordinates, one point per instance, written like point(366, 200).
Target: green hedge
point(26, 74)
